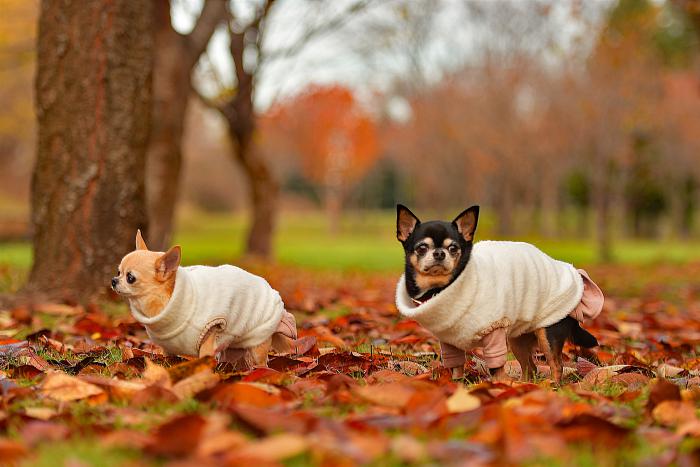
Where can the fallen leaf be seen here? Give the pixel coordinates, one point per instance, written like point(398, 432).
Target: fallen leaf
point(253, 394)
point(408, 449)
point(388, 394)
point(156, 374)
point(674, 412)
point(662, 390)
point(41, 413)
point(62, 387)
point(11, 451)
point(177, 437)
point(58, 309)
point(271, 449)
point(462, 401)
point(195, 384)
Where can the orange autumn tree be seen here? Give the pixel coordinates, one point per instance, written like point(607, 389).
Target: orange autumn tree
point(332, 137)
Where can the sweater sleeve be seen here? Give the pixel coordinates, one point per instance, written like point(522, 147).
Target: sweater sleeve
point(495, 348)
point(452, 357)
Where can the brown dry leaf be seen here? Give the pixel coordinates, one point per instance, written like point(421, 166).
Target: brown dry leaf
point(41, 413)
point(662, 390)
point(177, 437)
point(674, 413)
point(58, 309)
point(411, 368)
point(11, 451)
point(220, 443)
point(631, 380)
point(39, 431)
point(408, 449)
point(665, 370)
point(156, 375)
point(195, 383)
point(151, 395)
point(691, 428)
point(600, 375)
point(274, 448)
point(117, 388)
point(63, 387)
point(462, 401)
point(388, 395)
point(253, 394)
point(188, 368)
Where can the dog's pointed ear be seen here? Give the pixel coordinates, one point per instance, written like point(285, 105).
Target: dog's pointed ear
point(466, 222)
point(140, 243)
point(167, 263)
point(406, 222)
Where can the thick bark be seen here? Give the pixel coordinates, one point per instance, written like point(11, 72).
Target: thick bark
point(93, 91)
point(176, 56)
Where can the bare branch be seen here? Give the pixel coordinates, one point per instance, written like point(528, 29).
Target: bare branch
point(214, 12)
point(318, 31)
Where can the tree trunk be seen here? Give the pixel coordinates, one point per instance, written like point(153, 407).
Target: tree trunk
point(176, 56)
point(93, 97)
point(262, 185)
point(241, 119)
point(504, 208)
point(602, 200)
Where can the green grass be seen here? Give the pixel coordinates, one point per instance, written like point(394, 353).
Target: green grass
point(82, 452)
point(364, 242)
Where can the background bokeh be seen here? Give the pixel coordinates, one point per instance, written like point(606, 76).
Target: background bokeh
point(574, 124)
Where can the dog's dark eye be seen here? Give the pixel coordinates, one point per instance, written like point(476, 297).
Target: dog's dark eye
point(421, 250)
point(130, 278)
point(453, 249)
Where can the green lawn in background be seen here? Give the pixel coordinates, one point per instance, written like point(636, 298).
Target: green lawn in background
point(365, 242)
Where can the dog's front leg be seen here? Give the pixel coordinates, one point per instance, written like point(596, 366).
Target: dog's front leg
point(552, 360)
point(208, 346)
point(257, 356)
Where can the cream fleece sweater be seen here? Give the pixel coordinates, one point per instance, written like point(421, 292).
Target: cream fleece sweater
point(510, 285)
point(244, 307)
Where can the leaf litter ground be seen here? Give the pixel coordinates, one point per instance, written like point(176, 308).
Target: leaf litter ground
point(362, 386)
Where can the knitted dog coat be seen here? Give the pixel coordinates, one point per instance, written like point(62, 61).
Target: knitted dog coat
point(243, 306)
point(510, 285)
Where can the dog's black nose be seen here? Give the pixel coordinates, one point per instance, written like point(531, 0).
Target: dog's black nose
point(439, 254)
point(115, 281)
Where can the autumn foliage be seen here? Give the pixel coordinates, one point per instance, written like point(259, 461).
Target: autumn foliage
point(362, 385)
point(328, 132)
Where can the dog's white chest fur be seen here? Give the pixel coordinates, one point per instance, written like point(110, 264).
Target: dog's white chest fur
point(242, 305)
point(504, 282)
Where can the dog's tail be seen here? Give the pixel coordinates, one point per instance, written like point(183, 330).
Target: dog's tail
point(580, 336)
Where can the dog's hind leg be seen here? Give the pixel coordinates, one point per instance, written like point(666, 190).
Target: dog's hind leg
point(523, 347)
point(553, 362)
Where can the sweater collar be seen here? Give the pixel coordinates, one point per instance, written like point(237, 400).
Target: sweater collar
point(426, 296)
point(176, 315)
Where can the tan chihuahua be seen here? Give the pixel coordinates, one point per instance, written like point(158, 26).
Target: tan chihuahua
point(201, 310)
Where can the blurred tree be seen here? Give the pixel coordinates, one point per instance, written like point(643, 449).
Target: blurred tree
point(176, 56)
point(578, 190)
point(17, 125)
point(93, 98)
point(644, 195)
point(246, 32)
point(331, 135)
